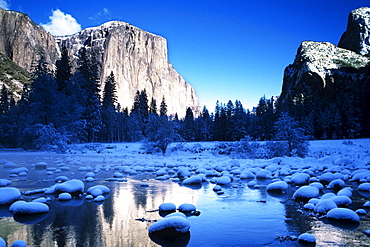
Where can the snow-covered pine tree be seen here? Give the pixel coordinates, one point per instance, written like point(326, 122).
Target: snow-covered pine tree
point(87, 78)
point(289, 132)
point(109, 109)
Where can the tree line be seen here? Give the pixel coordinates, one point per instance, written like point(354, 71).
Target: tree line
point(64, 107)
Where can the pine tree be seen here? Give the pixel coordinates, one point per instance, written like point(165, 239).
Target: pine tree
point(188, 129)
point(220, 123)
point(153, 106)
point(288, 130)
point(163, 107)
point(239, 122)
point(205, 125)
point(139, 115)
point(63, 70)
point(109, 110)
point(4, 100)
point(265, 118)
point(87, 79)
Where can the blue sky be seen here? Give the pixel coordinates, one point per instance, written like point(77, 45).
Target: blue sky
point(226, 49)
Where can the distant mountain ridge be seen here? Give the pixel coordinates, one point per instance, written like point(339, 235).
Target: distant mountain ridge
point(137, 58)
point(328, 87)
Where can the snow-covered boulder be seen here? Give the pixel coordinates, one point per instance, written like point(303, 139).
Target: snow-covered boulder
point(2, 242)
point(186, 207)
point(61, 179)
point(309, 206)
point(264, 174)
point(300, 178)
point(10, 164)
point(195, 179)
point(104, 189)
point(364, 187)
point(64, 196)
point(278, 186)
point(327, 177)
point(345, 192)
point(30, 208)
point(74, 187)
point(361, 211)
point(118, 175)
point(167, 207)
point(5, 182)
point(341, 201)
point(314, 201)
point(327, 195)
point(224, 180)
point(90, 174)
point(336, 184)
point(99, 198)
point(183, 172)
point(217, 188)
point(19, 170)
point(41, 165)
point(9, 195)
point(247, 175)
point(317, 185)
point(19, 243)
point(307, 238)
point(324, 206)
point(343, 214)
point(176, 223)
point(305, 193)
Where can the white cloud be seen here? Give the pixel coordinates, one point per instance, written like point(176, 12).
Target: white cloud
point(61, 24)
point(4, 4)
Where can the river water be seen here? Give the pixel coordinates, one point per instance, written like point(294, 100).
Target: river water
point(242, 216)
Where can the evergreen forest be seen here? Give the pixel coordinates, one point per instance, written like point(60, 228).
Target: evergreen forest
point(64, 107)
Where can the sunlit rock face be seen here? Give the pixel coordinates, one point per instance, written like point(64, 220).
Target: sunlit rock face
point(138, 60)
point(357, 36)
point(23, 41)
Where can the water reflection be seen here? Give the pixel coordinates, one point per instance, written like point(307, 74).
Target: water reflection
point(242, 216)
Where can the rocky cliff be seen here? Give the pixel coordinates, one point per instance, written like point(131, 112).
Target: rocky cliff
point(137, 58)
point(23, 41)
point(357, 36)
point(328, 87)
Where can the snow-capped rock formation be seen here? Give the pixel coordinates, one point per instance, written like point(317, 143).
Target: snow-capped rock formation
point(357, 36)
point(138, 60)
point(314, 67)
point(326, 81)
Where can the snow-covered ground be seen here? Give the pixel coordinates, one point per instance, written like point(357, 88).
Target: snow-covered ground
point(335, 174)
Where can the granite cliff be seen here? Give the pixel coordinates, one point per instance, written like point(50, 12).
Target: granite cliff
point(328, 86)
point(137, 58)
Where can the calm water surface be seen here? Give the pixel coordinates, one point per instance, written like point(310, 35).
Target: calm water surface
point(240, 217)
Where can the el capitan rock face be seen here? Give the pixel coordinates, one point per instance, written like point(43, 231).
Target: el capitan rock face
point(23, 41)
point(137, 58)
point(328, 87)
